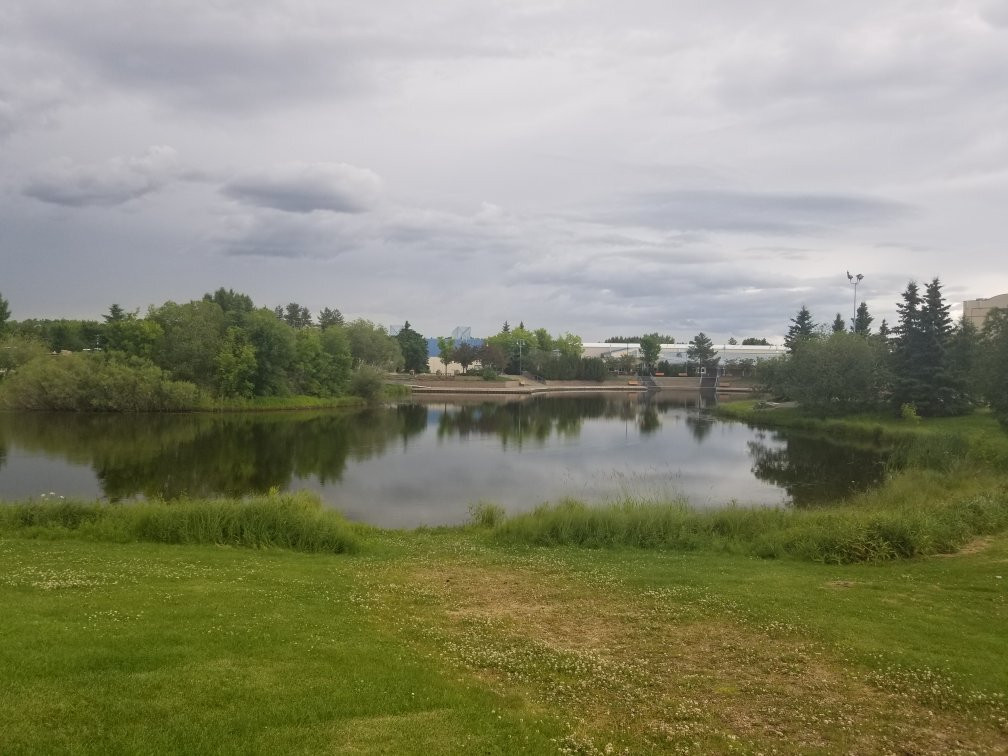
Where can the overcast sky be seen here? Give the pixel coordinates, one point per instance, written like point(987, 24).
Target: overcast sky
point(596, 167)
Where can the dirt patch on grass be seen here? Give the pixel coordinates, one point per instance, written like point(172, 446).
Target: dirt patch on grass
point(840, 583)
point(630, 672)
point(976, 546)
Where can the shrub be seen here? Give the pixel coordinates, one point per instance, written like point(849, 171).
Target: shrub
point(96, 383)
point(367, 382)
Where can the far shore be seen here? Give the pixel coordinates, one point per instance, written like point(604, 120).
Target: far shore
point(460, 385)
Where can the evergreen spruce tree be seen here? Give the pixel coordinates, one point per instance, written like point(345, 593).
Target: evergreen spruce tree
point(863, 321)
point(839, 325)
point(802, 328)
point(908, 385)
point(947, 386)
point(924, 374)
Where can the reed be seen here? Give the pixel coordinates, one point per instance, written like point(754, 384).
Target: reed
point(836, 535)
point(288, 521)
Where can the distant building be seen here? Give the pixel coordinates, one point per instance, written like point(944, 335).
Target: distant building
point(975, 310)
point(676, 353)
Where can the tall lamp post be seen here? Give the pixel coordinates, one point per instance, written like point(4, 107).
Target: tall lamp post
point(854, 280)
point(520, 343)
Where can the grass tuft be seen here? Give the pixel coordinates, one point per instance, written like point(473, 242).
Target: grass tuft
point(288, 521)
point(835, 536)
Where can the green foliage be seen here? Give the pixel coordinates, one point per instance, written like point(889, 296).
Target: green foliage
point(862, 320)
point(18, 350)
point(371, 345)
point(908, 412)
point(485, 514)
point(133, 336)
point(701, 350)
point(330, 317)
point(493, 358)
point(193, 334)
point(414, 349)
point(802, 328)
point(236, 365)
point(753, 341)
point(4, 314)
point(663, 338)
point(446, 350)
point(839, 325)
point(291, 521)
point(367, 383)
point(993, 364)
point(650, 348)
point(466, 354)
point(275, 345)
point(233, 303)
point(62, 334)
point(833, 536)
point(922, 368)
point(840, 373)
point(96, 383)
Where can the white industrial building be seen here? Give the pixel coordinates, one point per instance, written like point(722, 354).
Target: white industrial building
point(676, 353)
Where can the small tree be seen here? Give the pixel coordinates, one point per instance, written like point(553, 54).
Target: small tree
point(839, 325)
point(650, 348)
point(414, 349)
point(446, 350)
point(465, 355)
point(862, 320)
point(701, 350)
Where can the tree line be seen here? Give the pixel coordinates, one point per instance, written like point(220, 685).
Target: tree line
point(925, 365)
point(219, 346)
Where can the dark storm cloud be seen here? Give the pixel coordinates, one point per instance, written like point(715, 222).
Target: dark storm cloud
point(304, 188)
point(766, 212)
point(113, 182)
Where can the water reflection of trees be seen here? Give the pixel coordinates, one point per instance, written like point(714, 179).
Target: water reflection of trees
point(536, 420)
point(815, 470)
point(197, 454)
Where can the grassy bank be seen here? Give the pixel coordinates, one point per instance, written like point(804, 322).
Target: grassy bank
point(294, 521)
point(444, 642)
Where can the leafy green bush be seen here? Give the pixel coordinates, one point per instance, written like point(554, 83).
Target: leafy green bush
point(367, 383)
point(96, 383)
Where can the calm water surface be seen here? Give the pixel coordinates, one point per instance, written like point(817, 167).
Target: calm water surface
point(425, 462)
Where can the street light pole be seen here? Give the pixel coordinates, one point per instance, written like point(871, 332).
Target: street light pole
point(854, 280)
point(520, 343)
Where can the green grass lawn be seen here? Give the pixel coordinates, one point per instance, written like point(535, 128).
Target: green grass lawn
point(444, 641)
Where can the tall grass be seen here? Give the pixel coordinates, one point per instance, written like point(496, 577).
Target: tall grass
point(289, 521)
point(838, 535)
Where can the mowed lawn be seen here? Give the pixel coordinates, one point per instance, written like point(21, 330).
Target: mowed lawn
point(444, 642)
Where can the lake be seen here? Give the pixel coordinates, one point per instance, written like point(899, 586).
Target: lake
point(423, 462)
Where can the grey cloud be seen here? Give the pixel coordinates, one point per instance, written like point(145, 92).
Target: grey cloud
point(304, 188)
point(767, 212)
point(995, 13)
point(272, 233)
point(114, 182)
